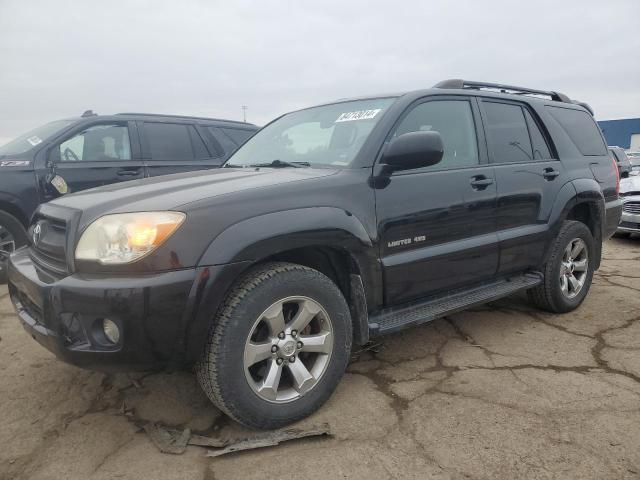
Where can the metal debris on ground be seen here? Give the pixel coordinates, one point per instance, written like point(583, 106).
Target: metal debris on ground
point(270, 439)
point(175, 441)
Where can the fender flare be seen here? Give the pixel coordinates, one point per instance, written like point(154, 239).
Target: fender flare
point(265, 235)
point(573, 193)
point(11, 204)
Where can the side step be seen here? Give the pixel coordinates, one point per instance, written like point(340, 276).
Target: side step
point(397, 318)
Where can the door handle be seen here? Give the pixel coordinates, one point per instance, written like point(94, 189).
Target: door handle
point(128, 173)
point(480, 182)
point(550, 173)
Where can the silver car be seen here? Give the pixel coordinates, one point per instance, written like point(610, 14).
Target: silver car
point(630, 194)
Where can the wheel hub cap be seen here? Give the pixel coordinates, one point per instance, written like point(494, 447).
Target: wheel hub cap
point(287, 347)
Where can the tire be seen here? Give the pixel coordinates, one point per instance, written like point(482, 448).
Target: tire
point(236, 385)
point(12, 236)
point(549, 295)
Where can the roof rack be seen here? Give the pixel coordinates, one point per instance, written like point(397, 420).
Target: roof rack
point(457, 83)
point(182, 116)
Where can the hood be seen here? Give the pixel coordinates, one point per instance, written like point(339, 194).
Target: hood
point(171, 192)
point(630, 184)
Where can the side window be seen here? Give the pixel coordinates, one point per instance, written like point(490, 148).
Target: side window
point(237, 135)
point(581, 128)
point(540, 147)
point(225, 142)
point(453, 119)
point(99, 143)
point(174, 141)
point(507, 133)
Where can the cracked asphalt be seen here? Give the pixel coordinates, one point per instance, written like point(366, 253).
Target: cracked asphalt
point(500, 392)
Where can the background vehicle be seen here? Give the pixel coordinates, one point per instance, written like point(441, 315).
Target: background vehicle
point(624, 164)
point(630, 194)
point(332, 225)
point(95, 150)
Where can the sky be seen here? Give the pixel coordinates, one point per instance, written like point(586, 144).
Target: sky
point(208, 58)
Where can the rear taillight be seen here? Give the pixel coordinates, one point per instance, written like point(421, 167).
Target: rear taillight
point(615, 168)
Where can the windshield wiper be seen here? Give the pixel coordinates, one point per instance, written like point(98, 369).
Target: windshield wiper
point(281, 164)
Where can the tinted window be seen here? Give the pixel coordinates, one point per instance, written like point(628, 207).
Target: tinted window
point(199, 149)
point(540, 147)
point(169, 141)
point(237, 135)
point(507, 133)
point(581, 128)
point(99, 143)
point(453, 119)
point(225, 142)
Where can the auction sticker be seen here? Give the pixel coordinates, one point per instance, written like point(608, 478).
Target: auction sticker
point(14, 163)
point(359, 115)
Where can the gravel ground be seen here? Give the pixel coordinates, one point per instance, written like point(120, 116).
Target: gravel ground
point(500, 392)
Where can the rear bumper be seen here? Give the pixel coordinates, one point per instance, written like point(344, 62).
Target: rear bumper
point(66, 316)
point(613, 213)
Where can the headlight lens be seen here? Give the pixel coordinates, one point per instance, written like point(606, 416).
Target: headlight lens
point(126, 237)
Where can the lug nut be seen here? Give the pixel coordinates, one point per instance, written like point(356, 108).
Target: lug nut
point(274, 349)
point(300, 345)
point(281, 335)
point(292, 359)
point(279, 361)
point(294, 333)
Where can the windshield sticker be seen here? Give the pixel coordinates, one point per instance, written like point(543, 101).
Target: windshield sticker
point(35, 140)
point(359, 115)
point(14, 163)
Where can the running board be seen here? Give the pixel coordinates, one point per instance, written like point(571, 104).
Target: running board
point(397, 318)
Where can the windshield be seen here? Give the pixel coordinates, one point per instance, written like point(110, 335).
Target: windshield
point(33, 138)
point(326, 135)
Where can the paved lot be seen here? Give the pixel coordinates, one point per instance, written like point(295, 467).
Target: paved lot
point(501, 392)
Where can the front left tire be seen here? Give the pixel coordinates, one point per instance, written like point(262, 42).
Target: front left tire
point(278, 347)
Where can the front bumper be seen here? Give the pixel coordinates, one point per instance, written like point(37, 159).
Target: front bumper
point(629, 222)
point(65, 315)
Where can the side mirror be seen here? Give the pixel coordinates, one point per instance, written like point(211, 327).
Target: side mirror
point(414, 150)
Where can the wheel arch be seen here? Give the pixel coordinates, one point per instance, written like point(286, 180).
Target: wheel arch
point(11, 205)
point(581, 200)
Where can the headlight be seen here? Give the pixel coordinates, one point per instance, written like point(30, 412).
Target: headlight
point(126, 237)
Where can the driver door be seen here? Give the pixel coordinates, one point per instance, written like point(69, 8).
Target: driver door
point(98, 154)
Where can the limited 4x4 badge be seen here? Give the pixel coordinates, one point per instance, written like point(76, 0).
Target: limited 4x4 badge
point(406, 241)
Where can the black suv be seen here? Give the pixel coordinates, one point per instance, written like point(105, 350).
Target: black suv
point(79, 153)
point(332, 225)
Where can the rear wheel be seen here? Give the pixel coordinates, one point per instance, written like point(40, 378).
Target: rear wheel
point(568, 272)
point(12, 236)
point(279, 346)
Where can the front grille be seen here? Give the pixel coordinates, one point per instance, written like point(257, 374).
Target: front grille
point(48, 244)
point(631, 207)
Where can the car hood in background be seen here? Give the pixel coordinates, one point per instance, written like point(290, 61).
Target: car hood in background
point(630, 184)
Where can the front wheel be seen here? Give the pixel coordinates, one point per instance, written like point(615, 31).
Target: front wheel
point(278, 347)
point(568, 272)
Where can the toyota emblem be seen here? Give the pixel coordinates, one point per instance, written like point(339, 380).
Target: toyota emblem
point(37, 232)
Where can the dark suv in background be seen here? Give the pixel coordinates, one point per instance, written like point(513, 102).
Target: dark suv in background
point(95, 150)
point(330, 226)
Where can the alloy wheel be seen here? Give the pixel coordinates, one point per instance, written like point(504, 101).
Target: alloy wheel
point(288, 349)
point(574, 267)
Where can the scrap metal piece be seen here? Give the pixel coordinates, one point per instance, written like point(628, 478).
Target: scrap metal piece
point(270, 439)
point(168, 441)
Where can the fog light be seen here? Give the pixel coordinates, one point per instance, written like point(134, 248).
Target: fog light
point(111, 330)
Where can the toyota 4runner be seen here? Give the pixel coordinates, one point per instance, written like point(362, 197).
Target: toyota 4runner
point(332, 225)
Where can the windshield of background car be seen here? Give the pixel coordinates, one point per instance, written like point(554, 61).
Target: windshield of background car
point(33, 138)
point(325, 135)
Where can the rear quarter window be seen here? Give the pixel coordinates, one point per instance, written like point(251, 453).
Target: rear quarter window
point(581, 129)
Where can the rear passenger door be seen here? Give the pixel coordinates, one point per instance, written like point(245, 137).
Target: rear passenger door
point(173, 147)
point(529, 177)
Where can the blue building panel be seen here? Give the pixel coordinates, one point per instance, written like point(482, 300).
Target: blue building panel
point(618, 132)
